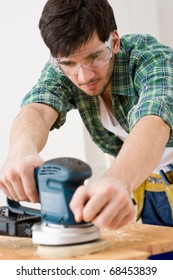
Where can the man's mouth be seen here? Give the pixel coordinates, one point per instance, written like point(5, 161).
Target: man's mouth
point(90, 85)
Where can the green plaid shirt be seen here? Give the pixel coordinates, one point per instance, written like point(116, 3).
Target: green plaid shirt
point(142, 84)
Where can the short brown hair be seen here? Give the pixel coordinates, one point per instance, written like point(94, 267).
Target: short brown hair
point(65, 25)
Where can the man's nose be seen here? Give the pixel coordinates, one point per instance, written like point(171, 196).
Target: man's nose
point(84, 74)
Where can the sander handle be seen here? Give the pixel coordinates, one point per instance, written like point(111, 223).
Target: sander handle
point(56, 181)
point(18, 208)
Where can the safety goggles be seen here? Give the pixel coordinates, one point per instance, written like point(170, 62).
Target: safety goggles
point(89, 59)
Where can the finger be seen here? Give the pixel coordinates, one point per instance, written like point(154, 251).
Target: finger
point(78, 201)
point(94, 206)
point(115, 224)
point(128, 216)
point(114, 212)
point(123, 217)
point(15, 186)
point(5, 190)
point(29, 184)
point(9, 190)
point(18, 187)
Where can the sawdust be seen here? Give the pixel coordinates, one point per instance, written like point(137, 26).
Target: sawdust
point(129, 235)
point(12, 243)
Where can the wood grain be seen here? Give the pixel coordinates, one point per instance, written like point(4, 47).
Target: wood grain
point(134, 241)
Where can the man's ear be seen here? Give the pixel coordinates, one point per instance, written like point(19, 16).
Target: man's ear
point(116, 42)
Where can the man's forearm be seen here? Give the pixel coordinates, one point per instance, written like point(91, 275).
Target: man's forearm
point(141, 152)
point(30, 130)
point(29, 134)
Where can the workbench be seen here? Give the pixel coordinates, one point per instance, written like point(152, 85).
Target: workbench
point(132, 242)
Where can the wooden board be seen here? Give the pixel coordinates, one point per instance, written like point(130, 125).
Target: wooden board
point(134, 241)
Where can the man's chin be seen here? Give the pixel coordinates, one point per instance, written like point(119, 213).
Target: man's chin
point(91, 93)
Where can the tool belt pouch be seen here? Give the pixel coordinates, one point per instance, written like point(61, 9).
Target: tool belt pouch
point(150, 185)
point(138, 196)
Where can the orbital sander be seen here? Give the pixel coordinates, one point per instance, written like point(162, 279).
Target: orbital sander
point(57, 181)
point(54, 223)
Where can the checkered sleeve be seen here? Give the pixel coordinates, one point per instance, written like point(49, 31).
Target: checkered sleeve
point(153, 81)
point(51, 90)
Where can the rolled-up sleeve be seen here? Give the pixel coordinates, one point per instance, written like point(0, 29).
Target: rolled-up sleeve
point(51, 90)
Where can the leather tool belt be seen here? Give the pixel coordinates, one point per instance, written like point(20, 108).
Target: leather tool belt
point(162, 182)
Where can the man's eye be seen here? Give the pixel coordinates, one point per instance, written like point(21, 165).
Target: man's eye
point(95, 55)
point(67, 64)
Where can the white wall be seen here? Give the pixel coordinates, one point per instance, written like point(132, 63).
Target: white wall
point(150, 16)
point(165, 21)
point(23, 54)
point(22, 57)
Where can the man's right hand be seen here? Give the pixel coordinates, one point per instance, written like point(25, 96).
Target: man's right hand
point(17, 178)
point(29, 134)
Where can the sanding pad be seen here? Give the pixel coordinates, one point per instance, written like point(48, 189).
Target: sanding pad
point(61, 252)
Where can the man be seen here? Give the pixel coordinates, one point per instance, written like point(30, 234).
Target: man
point(123, 89)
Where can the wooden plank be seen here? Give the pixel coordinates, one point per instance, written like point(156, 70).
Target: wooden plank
point(134, 241)
point(148, 238)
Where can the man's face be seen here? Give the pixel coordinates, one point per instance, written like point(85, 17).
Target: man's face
point(92, 66)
